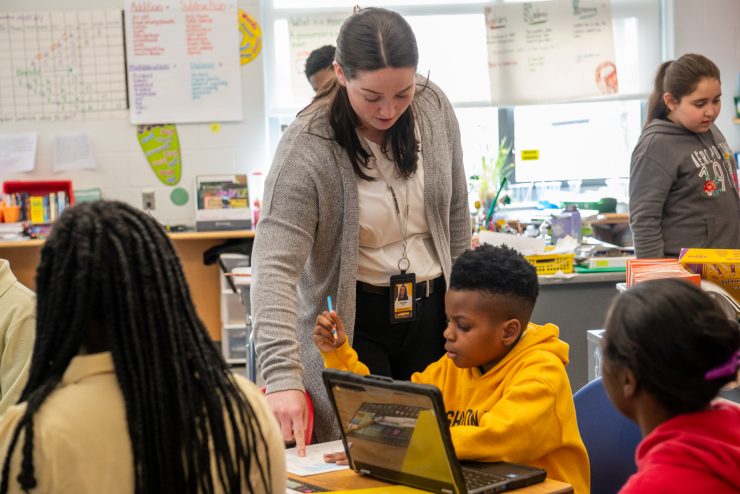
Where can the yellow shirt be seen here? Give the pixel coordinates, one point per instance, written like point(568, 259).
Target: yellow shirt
point(81, 439)
point(520, 411)
point(17, 330)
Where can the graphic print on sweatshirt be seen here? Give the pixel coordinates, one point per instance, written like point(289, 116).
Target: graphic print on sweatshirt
point(715, 165)
point(462, 417)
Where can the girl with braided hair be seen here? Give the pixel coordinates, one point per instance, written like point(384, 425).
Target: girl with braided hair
point(126, 391)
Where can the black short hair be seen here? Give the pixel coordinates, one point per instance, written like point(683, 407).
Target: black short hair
point(320, 59)
point(669, 333)
point(501, 271)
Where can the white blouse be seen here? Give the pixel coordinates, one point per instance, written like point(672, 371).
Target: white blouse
point(381, 238)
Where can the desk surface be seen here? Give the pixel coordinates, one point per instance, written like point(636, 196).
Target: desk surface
point(577, 278)
point(203, 280)
point(347, 479)
point(175, 236)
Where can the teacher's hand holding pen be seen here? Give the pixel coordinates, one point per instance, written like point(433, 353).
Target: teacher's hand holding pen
point(327, 323)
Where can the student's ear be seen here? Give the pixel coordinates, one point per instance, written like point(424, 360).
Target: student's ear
point(628, 383)
point(512, 330)
point(670, 101)
point(340, 74)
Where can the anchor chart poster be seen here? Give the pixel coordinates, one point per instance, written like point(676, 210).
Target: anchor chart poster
point(183, 61)
point(550, 51)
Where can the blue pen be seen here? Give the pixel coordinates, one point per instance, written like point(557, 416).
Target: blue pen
point(328, 302)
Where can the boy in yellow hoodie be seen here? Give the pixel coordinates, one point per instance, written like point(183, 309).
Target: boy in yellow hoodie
point(503, 378)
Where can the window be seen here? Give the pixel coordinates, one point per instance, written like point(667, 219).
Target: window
point(452, 49)
point(575, 141)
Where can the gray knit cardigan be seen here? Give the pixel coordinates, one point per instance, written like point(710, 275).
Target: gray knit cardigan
point(307, 239)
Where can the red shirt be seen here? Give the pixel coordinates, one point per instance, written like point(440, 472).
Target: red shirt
point(693, 452)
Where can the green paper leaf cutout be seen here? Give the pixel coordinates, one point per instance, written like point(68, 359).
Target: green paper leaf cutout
point(161, 147)
point(179, 196)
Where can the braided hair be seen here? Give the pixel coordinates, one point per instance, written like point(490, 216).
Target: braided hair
point(111, 266)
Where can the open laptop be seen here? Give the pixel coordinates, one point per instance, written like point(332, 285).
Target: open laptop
point(398, 431)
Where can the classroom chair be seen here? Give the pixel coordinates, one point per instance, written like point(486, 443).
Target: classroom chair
point(610, 438)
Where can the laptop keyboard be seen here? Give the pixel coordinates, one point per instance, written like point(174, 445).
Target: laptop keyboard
point(391, 409)
point(475, 479)
point(386, 423)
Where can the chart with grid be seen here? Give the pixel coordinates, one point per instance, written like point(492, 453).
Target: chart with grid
point(62, 65)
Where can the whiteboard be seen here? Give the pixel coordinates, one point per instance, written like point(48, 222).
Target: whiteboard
point(183, 61)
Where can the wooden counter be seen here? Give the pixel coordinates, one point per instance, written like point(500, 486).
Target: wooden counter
point(203, 280)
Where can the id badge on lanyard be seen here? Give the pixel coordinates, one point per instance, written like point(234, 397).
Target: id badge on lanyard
point(402, 286)
point(403, 297)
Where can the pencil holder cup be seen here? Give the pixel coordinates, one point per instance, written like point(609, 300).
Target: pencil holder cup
point(11, 214)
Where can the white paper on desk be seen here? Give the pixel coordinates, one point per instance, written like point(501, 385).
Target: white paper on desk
point(73, 151)
point(525, 245)
point(313, 463)
point(18, 152)
point(565, 245)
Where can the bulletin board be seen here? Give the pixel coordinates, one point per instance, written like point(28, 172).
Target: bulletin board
point(89, 63)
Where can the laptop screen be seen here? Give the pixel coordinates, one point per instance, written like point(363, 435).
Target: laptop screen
point(393, 434)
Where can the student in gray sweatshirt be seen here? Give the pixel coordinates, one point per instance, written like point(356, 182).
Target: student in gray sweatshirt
point(683, 178)
point(367, 181)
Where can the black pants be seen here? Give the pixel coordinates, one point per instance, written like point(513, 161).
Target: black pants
point(399, 350)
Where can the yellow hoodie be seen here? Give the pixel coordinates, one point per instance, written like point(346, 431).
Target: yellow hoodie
point(519, 411)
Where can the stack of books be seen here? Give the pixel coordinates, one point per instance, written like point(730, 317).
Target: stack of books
point(12, 231)
point(46, 208)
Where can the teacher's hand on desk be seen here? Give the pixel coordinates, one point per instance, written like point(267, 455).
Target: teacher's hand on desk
point(290, 409)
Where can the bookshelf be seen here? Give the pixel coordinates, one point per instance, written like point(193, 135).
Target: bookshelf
point(41, 201)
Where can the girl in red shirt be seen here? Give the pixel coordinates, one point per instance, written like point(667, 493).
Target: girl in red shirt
point(668, 350)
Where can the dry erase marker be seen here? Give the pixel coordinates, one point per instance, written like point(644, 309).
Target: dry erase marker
point(328, 302)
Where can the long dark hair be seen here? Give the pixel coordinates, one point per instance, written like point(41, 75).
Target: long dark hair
point(678, 77)
point(107, 264)
point(372, 39)
point(669, 333)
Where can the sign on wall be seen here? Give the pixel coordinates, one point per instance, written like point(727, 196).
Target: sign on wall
point(62, 65)
point(550, 51)
point(306, 34)
point(183, 61)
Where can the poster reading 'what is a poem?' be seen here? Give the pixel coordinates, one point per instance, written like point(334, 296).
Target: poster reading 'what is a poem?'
point(183, 61)
point(550, 51)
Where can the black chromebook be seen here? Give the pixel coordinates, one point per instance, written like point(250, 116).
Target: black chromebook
point(397, 431)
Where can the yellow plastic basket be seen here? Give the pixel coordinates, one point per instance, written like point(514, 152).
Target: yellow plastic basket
point(551, 263)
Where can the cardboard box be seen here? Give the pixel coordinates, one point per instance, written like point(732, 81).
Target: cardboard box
point(721, 266)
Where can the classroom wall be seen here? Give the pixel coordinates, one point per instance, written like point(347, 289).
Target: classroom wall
point(712, 28)
point(122, 170)
point(706, 26)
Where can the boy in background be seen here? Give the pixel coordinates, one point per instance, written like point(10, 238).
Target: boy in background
point(17, 330)
point(320, 66)
point(503, 379)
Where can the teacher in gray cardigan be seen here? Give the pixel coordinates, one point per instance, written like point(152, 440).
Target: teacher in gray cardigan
point(366, 193)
